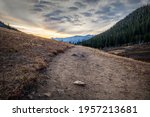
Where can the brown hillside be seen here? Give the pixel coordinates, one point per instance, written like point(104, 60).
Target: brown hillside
point(23, 60)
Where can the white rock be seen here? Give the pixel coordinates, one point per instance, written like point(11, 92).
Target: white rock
point(79, 83)
point(47, 94)
point(30, 96)
point(60, 91)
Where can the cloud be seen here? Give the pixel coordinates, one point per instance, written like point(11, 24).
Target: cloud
point(46, 2)
point(134, 1)
point(104, 10)
point(87, 14)
point(61, 0)
point(38, 7)
point(54, 13)
point(67, 17)
point(62, 19)
point(118, 6)
point(73, 8)
point(91, 1)
point(111, 11)
point(80, 4)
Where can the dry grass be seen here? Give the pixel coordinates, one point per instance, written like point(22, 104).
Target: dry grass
point(23, 58)
point(137, 52)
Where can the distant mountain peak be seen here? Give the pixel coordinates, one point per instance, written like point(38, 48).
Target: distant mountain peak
point(75, 39)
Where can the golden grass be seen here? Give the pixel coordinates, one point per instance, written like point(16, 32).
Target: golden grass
point(23, 58)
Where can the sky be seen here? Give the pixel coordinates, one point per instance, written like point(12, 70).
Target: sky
point(64, 18)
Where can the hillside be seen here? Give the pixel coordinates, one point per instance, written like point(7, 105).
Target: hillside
point(74, 39)
point(3, 25)
point(30, 69)
point(23, 61)
point(133, 29)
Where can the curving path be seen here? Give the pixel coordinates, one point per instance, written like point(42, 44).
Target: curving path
point(106, 76)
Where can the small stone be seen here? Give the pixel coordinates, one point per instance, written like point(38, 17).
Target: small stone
point(79, 83)
point(30, 96)
point(82, 55)
point(74, 55)
point(47, 94)
point(33, 93)
point(60, 91)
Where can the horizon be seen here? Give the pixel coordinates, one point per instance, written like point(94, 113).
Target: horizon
point(65, 18)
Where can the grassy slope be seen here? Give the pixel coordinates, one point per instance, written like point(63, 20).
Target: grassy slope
point(137, 52)
point(23, 61)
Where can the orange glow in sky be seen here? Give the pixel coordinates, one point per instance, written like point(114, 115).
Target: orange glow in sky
point(40, 32)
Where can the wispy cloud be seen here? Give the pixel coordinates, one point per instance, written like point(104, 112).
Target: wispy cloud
point(73, 8)
point(66, 17)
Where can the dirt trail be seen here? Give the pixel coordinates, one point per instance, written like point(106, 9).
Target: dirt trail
point(106, 76)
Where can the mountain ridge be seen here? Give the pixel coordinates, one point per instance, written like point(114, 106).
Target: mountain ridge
point(133, 29)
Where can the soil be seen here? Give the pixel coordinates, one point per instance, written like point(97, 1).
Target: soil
point(106, 76)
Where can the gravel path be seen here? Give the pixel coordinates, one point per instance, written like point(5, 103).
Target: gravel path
point(106, 76)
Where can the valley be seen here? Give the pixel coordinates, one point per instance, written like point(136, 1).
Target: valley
point(36, 68)
point(114, 64)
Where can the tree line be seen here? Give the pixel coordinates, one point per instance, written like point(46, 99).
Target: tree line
point(133, 29)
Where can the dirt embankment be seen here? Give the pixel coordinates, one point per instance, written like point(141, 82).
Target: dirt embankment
point(106, 77)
